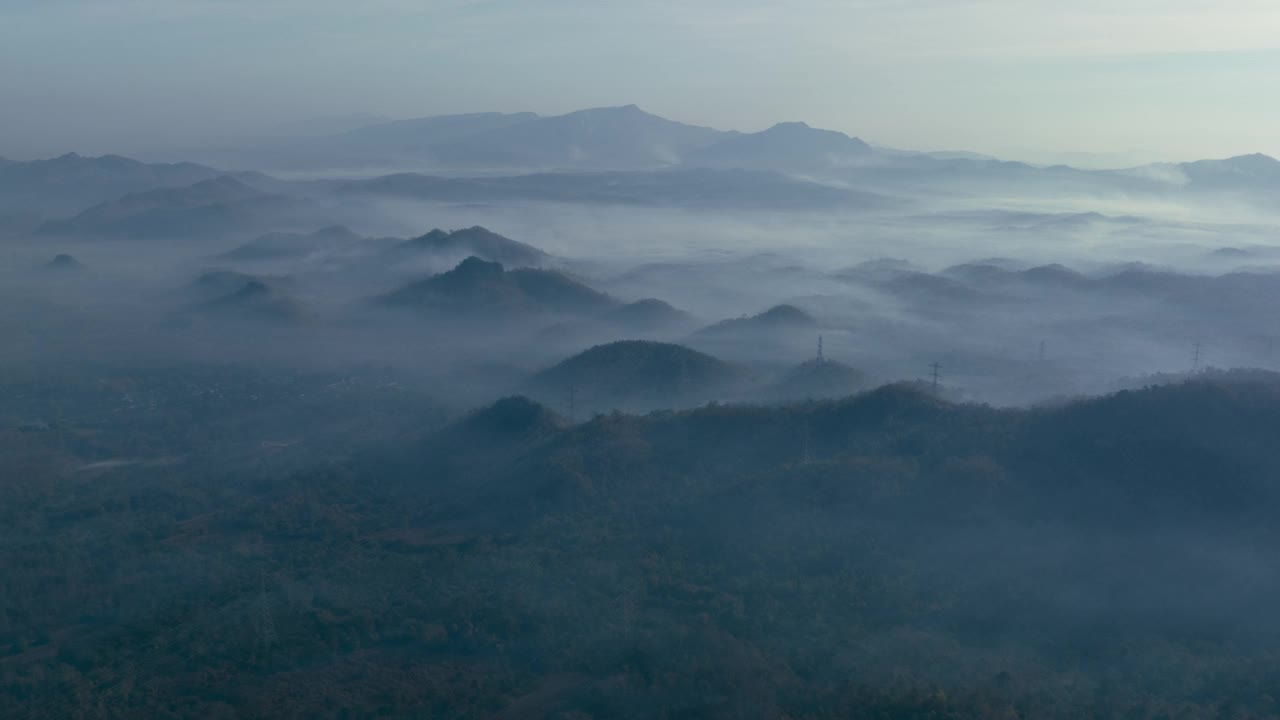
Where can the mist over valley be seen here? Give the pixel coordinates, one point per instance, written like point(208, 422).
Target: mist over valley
point(604, 414)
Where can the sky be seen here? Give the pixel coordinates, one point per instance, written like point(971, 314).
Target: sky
point(1108, 80)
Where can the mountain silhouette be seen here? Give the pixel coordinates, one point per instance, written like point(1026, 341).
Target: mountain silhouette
point(637, 374)
point(480, 286)
point(792, 146)
point(779, 317)
point(599, 138)
point(819, 378)
point(63, 262)
point(647, 315)
point(210, 207)
point(479, 242)
point(275, 246)
point(685, 187)
point(66, 184)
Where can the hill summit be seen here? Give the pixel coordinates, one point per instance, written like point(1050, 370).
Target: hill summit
point(480, 242)
point(477, 285)
point(638, 374)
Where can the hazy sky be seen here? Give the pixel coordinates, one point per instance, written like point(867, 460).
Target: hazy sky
point(1165, 78)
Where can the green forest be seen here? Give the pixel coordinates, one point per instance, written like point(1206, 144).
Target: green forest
point(223, 542)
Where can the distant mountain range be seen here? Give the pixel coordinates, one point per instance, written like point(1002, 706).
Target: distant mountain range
point(338, 244)
point(72, 182)
point(598, 139)
point(620, 156)
point(787, 146)
point(217, 206)
point(1243, 172)
point(603, 138)
point(628, 138)
point(292, 246)
point(613, 138)
point(683, 188)
point(626, 155)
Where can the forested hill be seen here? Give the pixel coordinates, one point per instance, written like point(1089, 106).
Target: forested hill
point(887, 555)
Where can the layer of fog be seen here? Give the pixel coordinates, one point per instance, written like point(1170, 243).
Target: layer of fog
point(852, 271)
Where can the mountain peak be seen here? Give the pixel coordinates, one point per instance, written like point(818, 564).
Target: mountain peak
point(637, 374)
point(335, 232)
point(792, 125)
point(620, 111)
point(435, 235)
point(778, 317)
point(475, 267)
point(514, 415)
point(1253, 160)
point(253, 288)
point(63, 262)
point(787, 145)
point(480, 243)
point(479, 285)
point(1241, 170)
point(785, 314)
point(221, 181)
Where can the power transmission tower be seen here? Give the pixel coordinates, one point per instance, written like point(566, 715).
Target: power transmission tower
point(936, 367)
point(1195, 360)
point(821, 356)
